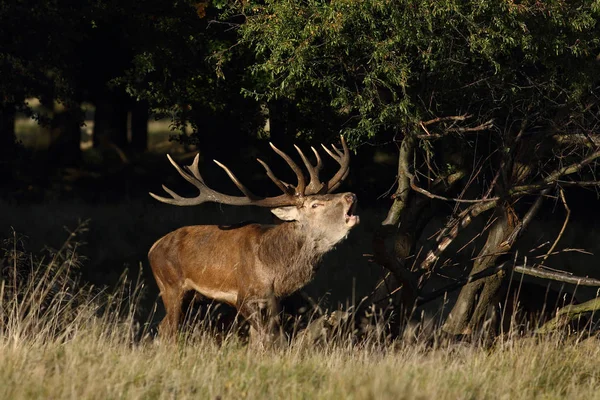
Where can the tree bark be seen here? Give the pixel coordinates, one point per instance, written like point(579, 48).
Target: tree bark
point(8, 141)
point(7, 129)
point(65, 134)
point(404, 239)
point(139, 126)
point(474, 298)
point(110, 122)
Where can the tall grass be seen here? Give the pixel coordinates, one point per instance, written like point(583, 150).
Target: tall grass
point(62, 339)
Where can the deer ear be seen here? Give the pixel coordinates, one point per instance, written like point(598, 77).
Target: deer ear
point(289, 213)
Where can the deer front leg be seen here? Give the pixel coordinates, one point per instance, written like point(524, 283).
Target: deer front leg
point(263, 316)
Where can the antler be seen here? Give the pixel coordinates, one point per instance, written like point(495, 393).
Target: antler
point(343, 158)
point(291, 195)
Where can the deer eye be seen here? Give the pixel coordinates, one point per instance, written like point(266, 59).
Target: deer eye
point(315, 205)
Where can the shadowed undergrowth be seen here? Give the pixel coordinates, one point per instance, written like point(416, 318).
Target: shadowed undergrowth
point(62, 339)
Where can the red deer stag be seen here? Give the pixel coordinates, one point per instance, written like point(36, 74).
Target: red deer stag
point(253, 266)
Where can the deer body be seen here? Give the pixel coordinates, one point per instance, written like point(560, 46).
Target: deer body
point(250, 267)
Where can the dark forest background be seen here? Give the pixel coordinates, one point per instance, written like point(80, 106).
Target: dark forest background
point(474, 126)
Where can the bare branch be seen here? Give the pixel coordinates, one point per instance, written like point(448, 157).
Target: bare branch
point(443, 119)
point(452, 229)
point(485, 126)
point(553, 178)
point(475, 129)
point(556, 276)
point(438, 197)
point(571, 169)
point(534, 187)
point(562, 230)
point(578, 139)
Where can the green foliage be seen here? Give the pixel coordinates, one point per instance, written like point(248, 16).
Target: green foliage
point(36, 57)
point(386, 65)
point(187, 67)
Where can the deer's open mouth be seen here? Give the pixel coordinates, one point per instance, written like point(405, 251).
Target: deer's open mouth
point(351, 218)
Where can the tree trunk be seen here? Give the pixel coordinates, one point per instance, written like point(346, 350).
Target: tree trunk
point(7, 129)
point(403, 237)
point(475, 298)
point(8, 141)
point(139, 127)
point(65, 137)
point(110, 122)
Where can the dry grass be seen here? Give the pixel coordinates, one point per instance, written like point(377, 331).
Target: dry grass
point(61, 340)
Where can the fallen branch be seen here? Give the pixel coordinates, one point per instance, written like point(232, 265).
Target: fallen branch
point(568, 314)
point(521, 269)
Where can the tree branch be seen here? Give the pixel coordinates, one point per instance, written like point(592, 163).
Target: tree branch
point(438, 197)
point(562, 230)
point(569, 313)
point(571, 169)
point(443, 119)
point(381, 255)
point(557, 276)
point(578, 139)
point(553, 177)
point(452, 229)
point(474, 129)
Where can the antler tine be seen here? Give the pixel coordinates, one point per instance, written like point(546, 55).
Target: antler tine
point(338, 184)
point(280, 184)
point(315, 184)
point(301, 181)
point(338, 151)
point(237, 182)
point(195, 179)
point(344, 160)
point(172, 193)
point(190, 178)
point(194, 168)
point(319, 162)
point(176, 199)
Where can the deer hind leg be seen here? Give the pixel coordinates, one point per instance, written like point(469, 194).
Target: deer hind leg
point(172, 299)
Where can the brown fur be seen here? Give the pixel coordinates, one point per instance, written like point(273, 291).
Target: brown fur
point(249, 267)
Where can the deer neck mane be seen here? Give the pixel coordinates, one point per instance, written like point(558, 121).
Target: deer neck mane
point(292, 254)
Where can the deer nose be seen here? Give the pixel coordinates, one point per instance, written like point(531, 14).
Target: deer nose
point(350, 197)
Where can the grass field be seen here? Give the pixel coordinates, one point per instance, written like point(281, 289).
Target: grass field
point(100, 362)
point(59, 339)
